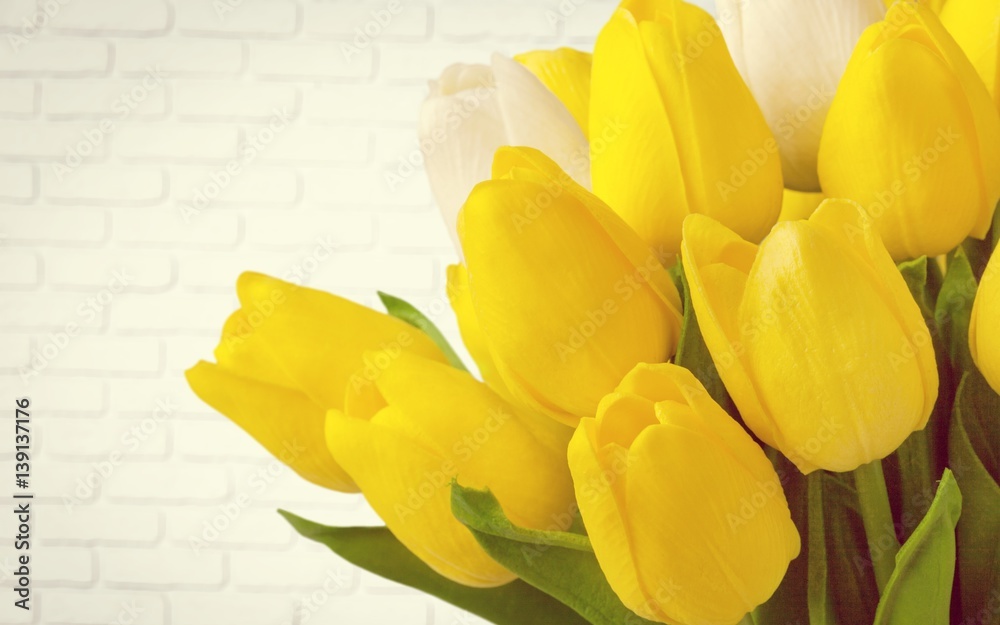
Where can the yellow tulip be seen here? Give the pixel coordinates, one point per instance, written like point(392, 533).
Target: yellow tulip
point(815, 335)
point(288, 355)
point(687, 516)
point(975, 25)
point(799, 204)
point(565, 295)
point(984, 327)
point(687, 136)
point(913, 136)
point(566, 72)
point(433, 424)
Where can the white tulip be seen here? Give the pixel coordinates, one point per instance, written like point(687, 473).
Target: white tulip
point(792, 54)
point(474, 109)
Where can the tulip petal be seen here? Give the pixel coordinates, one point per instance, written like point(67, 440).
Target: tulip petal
point(651, 198)
point(566, 72)
point(534, 116)
point(243, 352)
point(984, 336)
point(798, 205)
point(716, 264)
point(595, 299)
point(409, 487)
point(460, 296)
point(976, 28)
point(284, 421)
point(291, 320)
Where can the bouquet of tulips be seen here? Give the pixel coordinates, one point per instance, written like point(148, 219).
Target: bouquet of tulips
point(729, 290)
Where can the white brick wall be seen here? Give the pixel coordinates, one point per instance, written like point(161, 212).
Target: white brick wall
point(129, 465)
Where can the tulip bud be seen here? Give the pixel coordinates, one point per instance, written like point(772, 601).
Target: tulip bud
point(474, 109)
point(288, 355)
point(686, 515)
point(914, 137)
point(567, 297)
point(975, 25)
point(435, 424)
point(815, 335)
point(792, 54)
point(687, 136)
point(984, 326)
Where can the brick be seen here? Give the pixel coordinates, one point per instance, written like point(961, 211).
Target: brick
point(409, 232)
point(416, 65)
point(515, 20)
point(180, 57)
point(358, 22)
point(105, 183)
point(50, 140)
point(147, 314)
point(366, 103)
point(233, 100)
point(389, 273)
point(375, 187)
point(82, 439)
point(148, 398)
point(53, 226)
point(63, 396)
point(68, 607)
point(167, 228)
point(582, 21)
point(217, 271)
point(228, 607)
point(411, 608)
point(66, 57)
point(167, 482)
point(162, 142)
point(49, 311)
point(88, 270)
point(98, 524)
point(250, 18)
point(204, 440)
point(116, 99)
point(15, 350)
point(18, 98)
point(231, 525)
point(13, 13)
point(63, 566)
point(17, 182)
point(162, 568)
point(102, 354)
point(140, 17)
point(317, 144)
point(312, 232)
point(275, 485)
point(184, 352)
point(252, 184)
point(19, 268)
point(298, 60)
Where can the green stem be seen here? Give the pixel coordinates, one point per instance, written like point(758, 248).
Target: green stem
point(747, 620)
point(877, 518)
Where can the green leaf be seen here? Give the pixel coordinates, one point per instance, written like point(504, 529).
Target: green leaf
point(401, 309)
point(568, 573)
point(842, 589)
point(915, 274)
point(975, 458)
point(489, 517)
point(919, 590)
point(954, 309)
point(692, 353)
point(375, 549)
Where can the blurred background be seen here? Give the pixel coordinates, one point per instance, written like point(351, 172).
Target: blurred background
point(122, 232)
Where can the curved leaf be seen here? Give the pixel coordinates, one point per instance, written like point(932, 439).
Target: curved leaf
point(569, 574)
point(403, 310)
point(919, 590)
point(375, 549)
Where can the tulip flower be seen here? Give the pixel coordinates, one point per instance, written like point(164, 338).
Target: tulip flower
point(689, 137)
point(288, 355)
point(566, 72)
point(566, 296)
point(792, 54)
point(686, 514)
point(914, 137)
point(984, 326)
point(975, 25)
point(431, 425)
point(815, 335)
point(474, 109)
point(798, 204)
